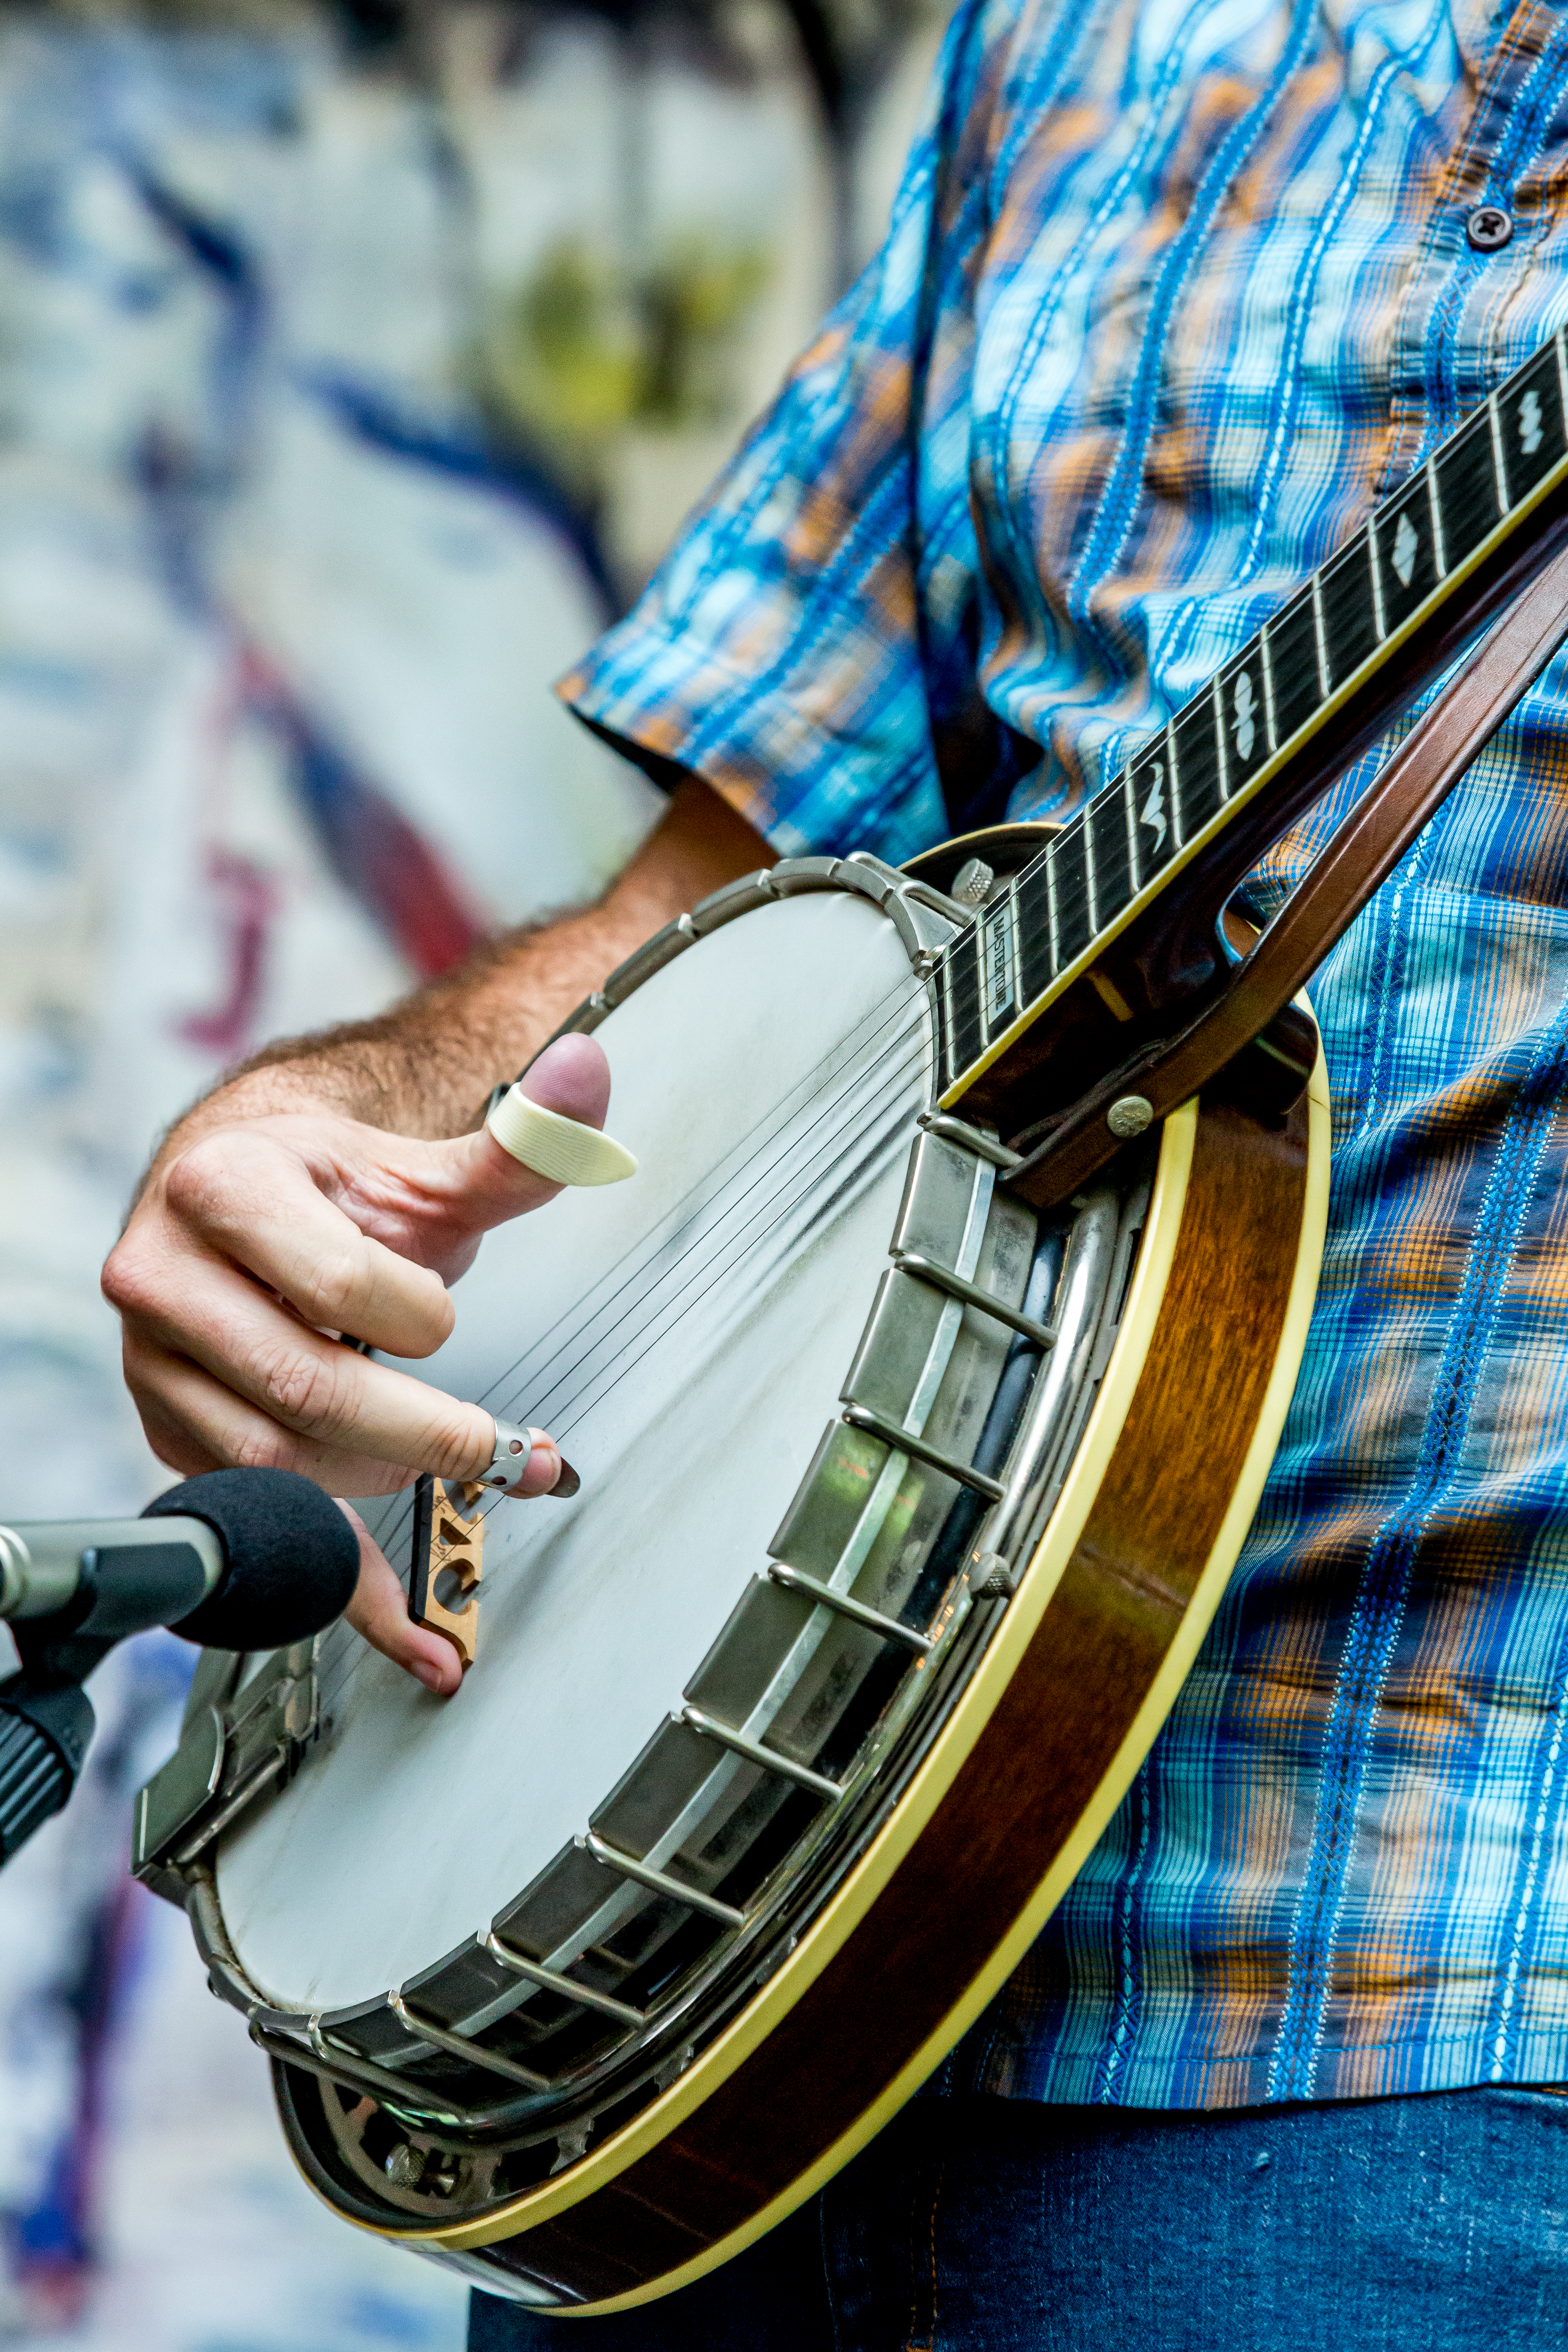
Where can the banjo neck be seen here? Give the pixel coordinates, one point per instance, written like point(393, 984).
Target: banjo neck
point(1114, 923)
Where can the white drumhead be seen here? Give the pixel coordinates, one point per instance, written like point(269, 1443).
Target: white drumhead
point(729, 1278)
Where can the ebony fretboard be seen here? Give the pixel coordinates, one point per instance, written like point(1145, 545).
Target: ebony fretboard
point(1234, 738)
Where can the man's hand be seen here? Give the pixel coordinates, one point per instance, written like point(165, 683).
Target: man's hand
point(379, 1611)
point(250, 1253)
point(326, 1190)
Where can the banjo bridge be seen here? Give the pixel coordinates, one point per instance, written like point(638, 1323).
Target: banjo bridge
point(448, 1565)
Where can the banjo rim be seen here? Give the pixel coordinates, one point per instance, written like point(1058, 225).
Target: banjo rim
point(851, 1901)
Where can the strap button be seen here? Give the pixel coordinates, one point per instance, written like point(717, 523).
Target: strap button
point(1489, 228)
point(1130, 1116)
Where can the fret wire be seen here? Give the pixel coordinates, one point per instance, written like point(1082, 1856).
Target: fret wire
point(1222, 746)
point(1079, 894)
point(1033, 895)
point(1031, 883)
point(1129, 819)
point(1055, 935)
point(1032, 888)
point(1305, 669)
point(1466, 488)
point(1561, 353)
point(965, 1018)
point(1197, 759)
point(1500, 468)
point(1266, 662)
point(961, 939)
point(1374, 566)
point(1074, 908)
point(1016, 939)
point(1122, 788)
point(1173, 784)
point(1090, 878)
point(1321, 635)
point(967, 938)
point(1015, 925)
point(1016, 892)
point(1347, 609)
point(1435, 509)
point(966, 999)
point(1070, 900)
point(1292, 652)
point(950, 1027)
point(1113, 885)
point(1034, 881)
point(1035, 873)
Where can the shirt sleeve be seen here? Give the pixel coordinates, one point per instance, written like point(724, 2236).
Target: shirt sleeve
point(807, 647)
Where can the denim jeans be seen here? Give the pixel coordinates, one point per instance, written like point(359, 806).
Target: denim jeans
point(1427, 2224)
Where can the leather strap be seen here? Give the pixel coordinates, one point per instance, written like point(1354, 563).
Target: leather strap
point(1404, 797)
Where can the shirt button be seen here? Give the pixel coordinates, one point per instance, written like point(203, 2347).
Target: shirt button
point(1489, 228)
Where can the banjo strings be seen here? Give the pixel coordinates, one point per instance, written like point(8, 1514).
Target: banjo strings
point(569, 1329)
point(705, 1222)
point(613, 1368)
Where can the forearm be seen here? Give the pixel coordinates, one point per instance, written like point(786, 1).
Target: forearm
point(339, 1185)
point(424, 1068)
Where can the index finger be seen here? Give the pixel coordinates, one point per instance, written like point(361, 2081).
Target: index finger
point(254, 1200)
point(236, 1352)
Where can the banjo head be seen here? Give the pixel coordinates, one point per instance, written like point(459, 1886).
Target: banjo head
point(685, 1337)
point(532, 1961)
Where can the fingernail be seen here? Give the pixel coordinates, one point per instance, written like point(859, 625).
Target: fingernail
point(567, 1484)
point(430, 1675)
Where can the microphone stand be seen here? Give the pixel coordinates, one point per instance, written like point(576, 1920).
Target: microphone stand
point(233, 1560)
point(45, 1723)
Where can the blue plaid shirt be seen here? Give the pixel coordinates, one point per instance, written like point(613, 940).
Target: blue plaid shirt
point(1174, 290)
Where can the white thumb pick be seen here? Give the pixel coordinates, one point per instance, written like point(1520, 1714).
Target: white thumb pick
point(562, 1151)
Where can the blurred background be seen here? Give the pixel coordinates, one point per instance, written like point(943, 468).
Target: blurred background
point(356, 364)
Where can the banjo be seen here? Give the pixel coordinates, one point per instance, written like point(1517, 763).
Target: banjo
point(923, 1386)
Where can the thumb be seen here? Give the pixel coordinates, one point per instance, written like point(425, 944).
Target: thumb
point(570, 1078)
point(573, 1077)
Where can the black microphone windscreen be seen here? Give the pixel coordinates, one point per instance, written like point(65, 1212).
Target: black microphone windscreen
point(293, 1558)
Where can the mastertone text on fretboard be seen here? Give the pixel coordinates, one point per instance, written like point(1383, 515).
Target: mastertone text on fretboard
point(1234, 734)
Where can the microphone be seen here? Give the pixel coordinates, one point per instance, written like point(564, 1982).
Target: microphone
point(236, 1560)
